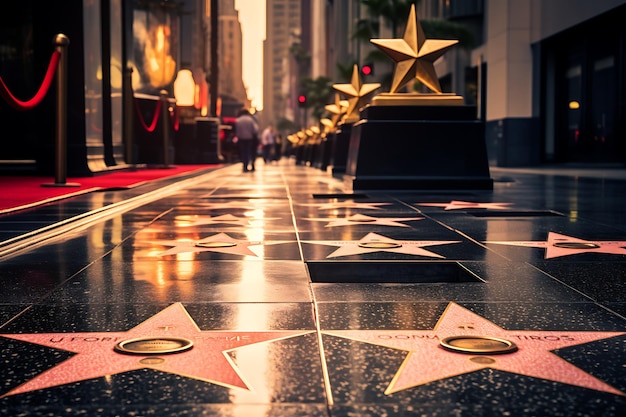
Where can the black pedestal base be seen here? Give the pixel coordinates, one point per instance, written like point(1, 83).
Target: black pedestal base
point(339, 149)
point(418, 147)
point(322, 157)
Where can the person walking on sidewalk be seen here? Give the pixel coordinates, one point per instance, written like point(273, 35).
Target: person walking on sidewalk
point(268, 143)
point(247, 133)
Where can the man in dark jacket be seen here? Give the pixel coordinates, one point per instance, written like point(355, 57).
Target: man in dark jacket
point(247, 132)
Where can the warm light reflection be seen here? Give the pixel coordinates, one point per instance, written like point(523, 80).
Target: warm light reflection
point(256, 235)
point(135, 77)
point(153, 253)
point(251, 317)
point(184, 268)
point(349, 234)
point(257, 214)
point(573, 203)
point(160, 275)
point(114, 229)
point(184, 220)
point(116, 75)
point(255, 357)
point(573, 105)
point(202, 97)
point(163, 274)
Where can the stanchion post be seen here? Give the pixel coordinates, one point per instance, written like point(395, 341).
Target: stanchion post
point(128, 116)
point(165, 119)
point(61, 43)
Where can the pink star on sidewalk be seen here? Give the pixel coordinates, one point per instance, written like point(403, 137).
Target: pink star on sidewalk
point(460, 205)
point(348, 204)
point(220, 242)
point(373, 242)
point(363, 219)
point(95, 354)
point(563, 245)
point(229, 219)
point(428, 361)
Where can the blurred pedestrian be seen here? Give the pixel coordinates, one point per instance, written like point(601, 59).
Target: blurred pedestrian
point(268, 142)
point(278, 153)
point(247, 132)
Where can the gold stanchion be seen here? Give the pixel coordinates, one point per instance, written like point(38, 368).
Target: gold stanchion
point(60, 163)
point(165, 123)
point(128, 117)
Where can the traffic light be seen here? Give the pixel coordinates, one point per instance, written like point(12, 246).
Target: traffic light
point(367, 68)
point(302, 100)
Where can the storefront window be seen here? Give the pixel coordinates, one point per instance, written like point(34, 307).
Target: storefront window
point(93, 72)
point(587, 93)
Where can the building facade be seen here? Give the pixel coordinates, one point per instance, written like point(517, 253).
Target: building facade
point(579, 93)
point(548, 77)
point(232, 91)
point(283, 31)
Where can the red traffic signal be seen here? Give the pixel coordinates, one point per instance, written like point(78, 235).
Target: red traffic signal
point(367, 69)
point(302, 100)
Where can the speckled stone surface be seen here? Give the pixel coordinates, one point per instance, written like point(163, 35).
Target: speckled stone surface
point(301, 299)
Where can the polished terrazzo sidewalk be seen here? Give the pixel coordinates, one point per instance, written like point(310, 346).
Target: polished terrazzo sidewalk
point(277, 293)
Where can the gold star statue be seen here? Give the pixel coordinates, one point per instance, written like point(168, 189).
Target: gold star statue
point(328, 125)
point(357, 92)
point(414, 55)
point(337, 109)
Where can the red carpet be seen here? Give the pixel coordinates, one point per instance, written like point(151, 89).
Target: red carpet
point(18, 192)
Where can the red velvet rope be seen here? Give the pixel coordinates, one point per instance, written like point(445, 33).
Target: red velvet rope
point(155, 118)
point(43, 89)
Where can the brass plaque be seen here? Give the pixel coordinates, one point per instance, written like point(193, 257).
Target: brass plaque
point(485, 345)
point(417, 99)
point(154, 345)
point(216, 244)
point(379, 245)
point(575, 245)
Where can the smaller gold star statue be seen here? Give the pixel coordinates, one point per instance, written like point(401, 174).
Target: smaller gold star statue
point(336, 109)
point(358, 94)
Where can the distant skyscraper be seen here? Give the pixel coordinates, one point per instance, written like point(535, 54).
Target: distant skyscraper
point(283, 30)
point(231, 87)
